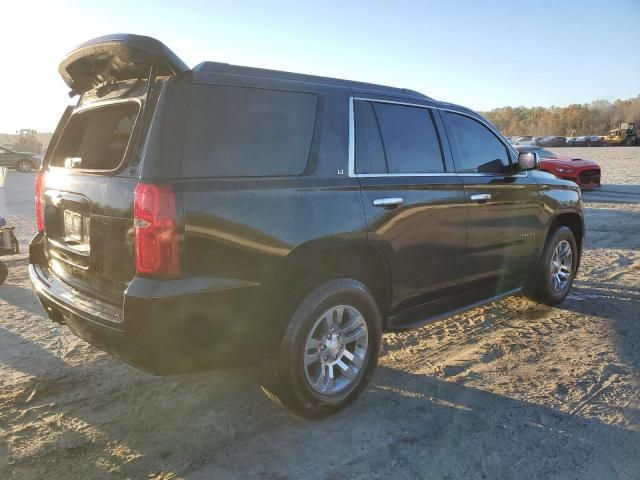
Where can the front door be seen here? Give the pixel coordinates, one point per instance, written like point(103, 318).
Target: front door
point(414, 203)
point(503, 207)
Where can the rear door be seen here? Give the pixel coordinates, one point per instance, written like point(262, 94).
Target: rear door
point(503, 214)
point(414, 203)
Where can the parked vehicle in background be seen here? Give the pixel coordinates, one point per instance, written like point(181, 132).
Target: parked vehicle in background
point(522, 138)
point(624, 134)
point(21, 161)
point(583, 172)
point(280, 218)
point(552, 142)
point(524, 141)
point(588, 141)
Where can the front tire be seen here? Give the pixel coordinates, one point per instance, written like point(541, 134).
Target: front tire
point(24, 166)
point(328, 353)
point(554, 276)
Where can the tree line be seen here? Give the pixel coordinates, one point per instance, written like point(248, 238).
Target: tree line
point(595, 118)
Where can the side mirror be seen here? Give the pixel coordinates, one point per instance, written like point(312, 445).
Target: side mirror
point(528, 161)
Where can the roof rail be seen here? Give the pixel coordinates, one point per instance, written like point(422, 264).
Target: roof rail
point(227, 68)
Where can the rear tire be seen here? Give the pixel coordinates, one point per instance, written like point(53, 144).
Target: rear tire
point(24, 166)
point(328, 352)
point(555, 273)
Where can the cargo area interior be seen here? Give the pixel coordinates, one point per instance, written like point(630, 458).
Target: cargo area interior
point(97, 138)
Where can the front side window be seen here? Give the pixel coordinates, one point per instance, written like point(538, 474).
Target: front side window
point(476, 149)
point(396, 139)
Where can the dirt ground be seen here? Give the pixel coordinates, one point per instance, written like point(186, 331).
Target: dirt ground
point(510, 390)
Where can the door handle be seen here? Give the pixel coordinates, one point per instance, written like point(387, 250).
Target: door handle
point(388, 202)
point(480, 197)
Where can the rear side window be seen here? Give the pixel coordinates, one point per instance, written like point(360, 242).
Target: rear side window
point(397, 139)
point(97, 138)
point(476, 149)
point(248, 132)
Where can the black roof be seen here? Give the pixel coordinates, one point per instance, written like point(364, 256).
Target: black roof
point(227, 68)
point(124, 56)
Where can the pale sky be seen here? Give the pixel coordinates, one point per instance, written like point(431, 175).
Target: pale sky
point(482, 54)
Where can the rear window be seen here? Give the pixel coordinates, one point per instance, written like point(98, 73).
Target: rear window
point(248, 132)
point(410, 139)
point(96, 139)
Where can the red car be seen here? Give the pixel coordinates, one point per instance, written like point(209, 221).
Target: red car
point(584, 172)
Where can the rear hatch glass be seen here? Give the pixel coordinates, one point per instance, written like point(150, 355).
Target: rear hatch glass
point(97, 138)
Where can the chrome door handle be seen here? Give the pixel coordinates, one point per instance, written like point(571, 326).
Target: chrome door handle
point(388, 202)
point(480, 197)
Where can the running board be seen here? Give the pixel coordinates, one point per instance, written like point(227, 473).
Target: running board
point(441, 316)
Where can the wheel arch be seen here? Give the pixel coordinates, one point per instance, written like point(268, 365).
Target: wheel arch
point(574, 222)
point(311, 264)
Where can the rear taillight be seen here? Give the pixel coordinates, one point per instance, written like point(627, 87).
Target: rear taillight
point(156, 230)
point(38, 200)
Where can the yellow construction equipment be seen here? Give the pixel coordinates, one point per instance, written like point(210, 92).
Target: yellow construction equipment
point(623, 134)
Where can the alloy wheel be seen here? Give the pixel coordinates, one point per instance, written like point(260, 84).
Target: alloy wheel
point(336, 349)
point(561, 266)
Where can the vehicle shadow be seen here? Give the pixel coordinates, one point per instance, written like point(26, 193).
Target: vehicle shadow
point(613, 193)
point(620, 305)
point(414, 426)
point(122, 422)
point(13, 290)
point(22, 296)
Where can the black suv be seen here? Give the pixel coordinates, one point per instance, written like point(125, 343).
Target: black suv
point(198, 218)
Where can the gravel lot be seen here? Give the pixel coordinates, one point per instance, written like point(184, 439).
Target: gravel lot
point(510, 390)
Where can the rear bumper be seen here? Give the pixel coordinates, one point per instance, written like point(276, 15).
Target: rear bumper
point(162, 327)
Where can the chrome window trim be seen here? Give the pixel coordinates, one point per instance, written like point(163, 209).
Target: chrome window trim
point(498, 135)
point(352, 141)
point(393, 102)
point(426, 174)
point(352, 146)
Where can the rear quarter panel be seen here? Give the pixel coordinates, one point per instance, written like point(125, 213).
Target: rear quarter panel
point(251, 227)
